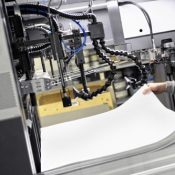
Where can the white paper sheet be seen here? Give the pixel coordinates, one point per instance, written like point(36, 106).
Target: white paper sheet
point(141, 121)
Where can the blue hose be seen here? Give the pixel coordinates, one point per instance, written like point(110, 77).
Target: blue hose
point(75, 51)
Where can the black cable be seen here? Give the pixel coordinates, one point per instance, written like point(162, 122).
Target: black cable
point(138, 63)
point(39, 48)
point(83, 78)
point(42, 62)
point(84, 95)
point(51, 67)
point(110, 78)
point(43, 10)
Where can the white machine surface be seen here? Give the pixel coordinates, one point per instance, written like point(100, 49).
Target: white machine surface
point(139, 122)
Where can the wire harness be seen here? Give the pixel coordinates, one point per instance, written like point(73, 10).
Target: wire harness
point(97, 41)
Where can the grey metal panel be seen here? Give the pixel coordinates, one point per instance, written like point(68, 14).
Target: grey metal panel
point(115, 22)
point(7, 99)
point(7, 79)
point(14, 159)
point(16, 110)
point(144, 42)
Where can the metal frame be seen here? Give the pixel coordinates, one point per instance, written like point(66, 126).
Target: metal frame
point(116, 24)
point(15, 147)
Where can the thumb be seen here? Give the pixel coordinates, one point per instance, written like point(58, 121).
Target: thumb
point(146, 90)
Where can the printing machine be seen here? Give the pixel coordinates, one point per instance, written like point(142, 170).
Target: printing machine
point(20, 140)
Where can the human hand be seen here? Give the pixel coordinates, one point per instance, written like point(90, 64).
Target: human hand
point(157, 88)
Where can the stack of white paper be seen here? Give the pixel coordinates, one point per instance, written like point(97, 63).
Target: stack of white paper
point(141, 121)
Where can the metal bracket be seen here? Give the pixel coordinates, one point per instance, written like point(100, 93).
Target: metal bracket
point(35, 86)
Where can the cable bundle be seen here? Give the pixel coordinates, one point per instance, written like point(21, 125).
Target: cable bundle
point(46, 11)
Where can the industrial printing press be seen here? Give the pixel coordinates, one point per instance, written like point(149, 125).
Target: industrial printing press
point(33, 32)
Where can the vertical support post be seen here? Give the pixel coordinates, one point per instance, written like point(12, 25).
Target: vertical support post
point(116, 24)
point(15, 146)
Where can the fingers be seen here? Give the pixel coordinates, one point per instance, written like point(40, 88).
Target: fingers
point(146, 90)
point(157, 88)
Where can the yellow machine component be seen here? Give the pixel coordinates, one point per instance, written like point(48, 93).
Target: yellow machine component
point(51, 110)
point(49, 104)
